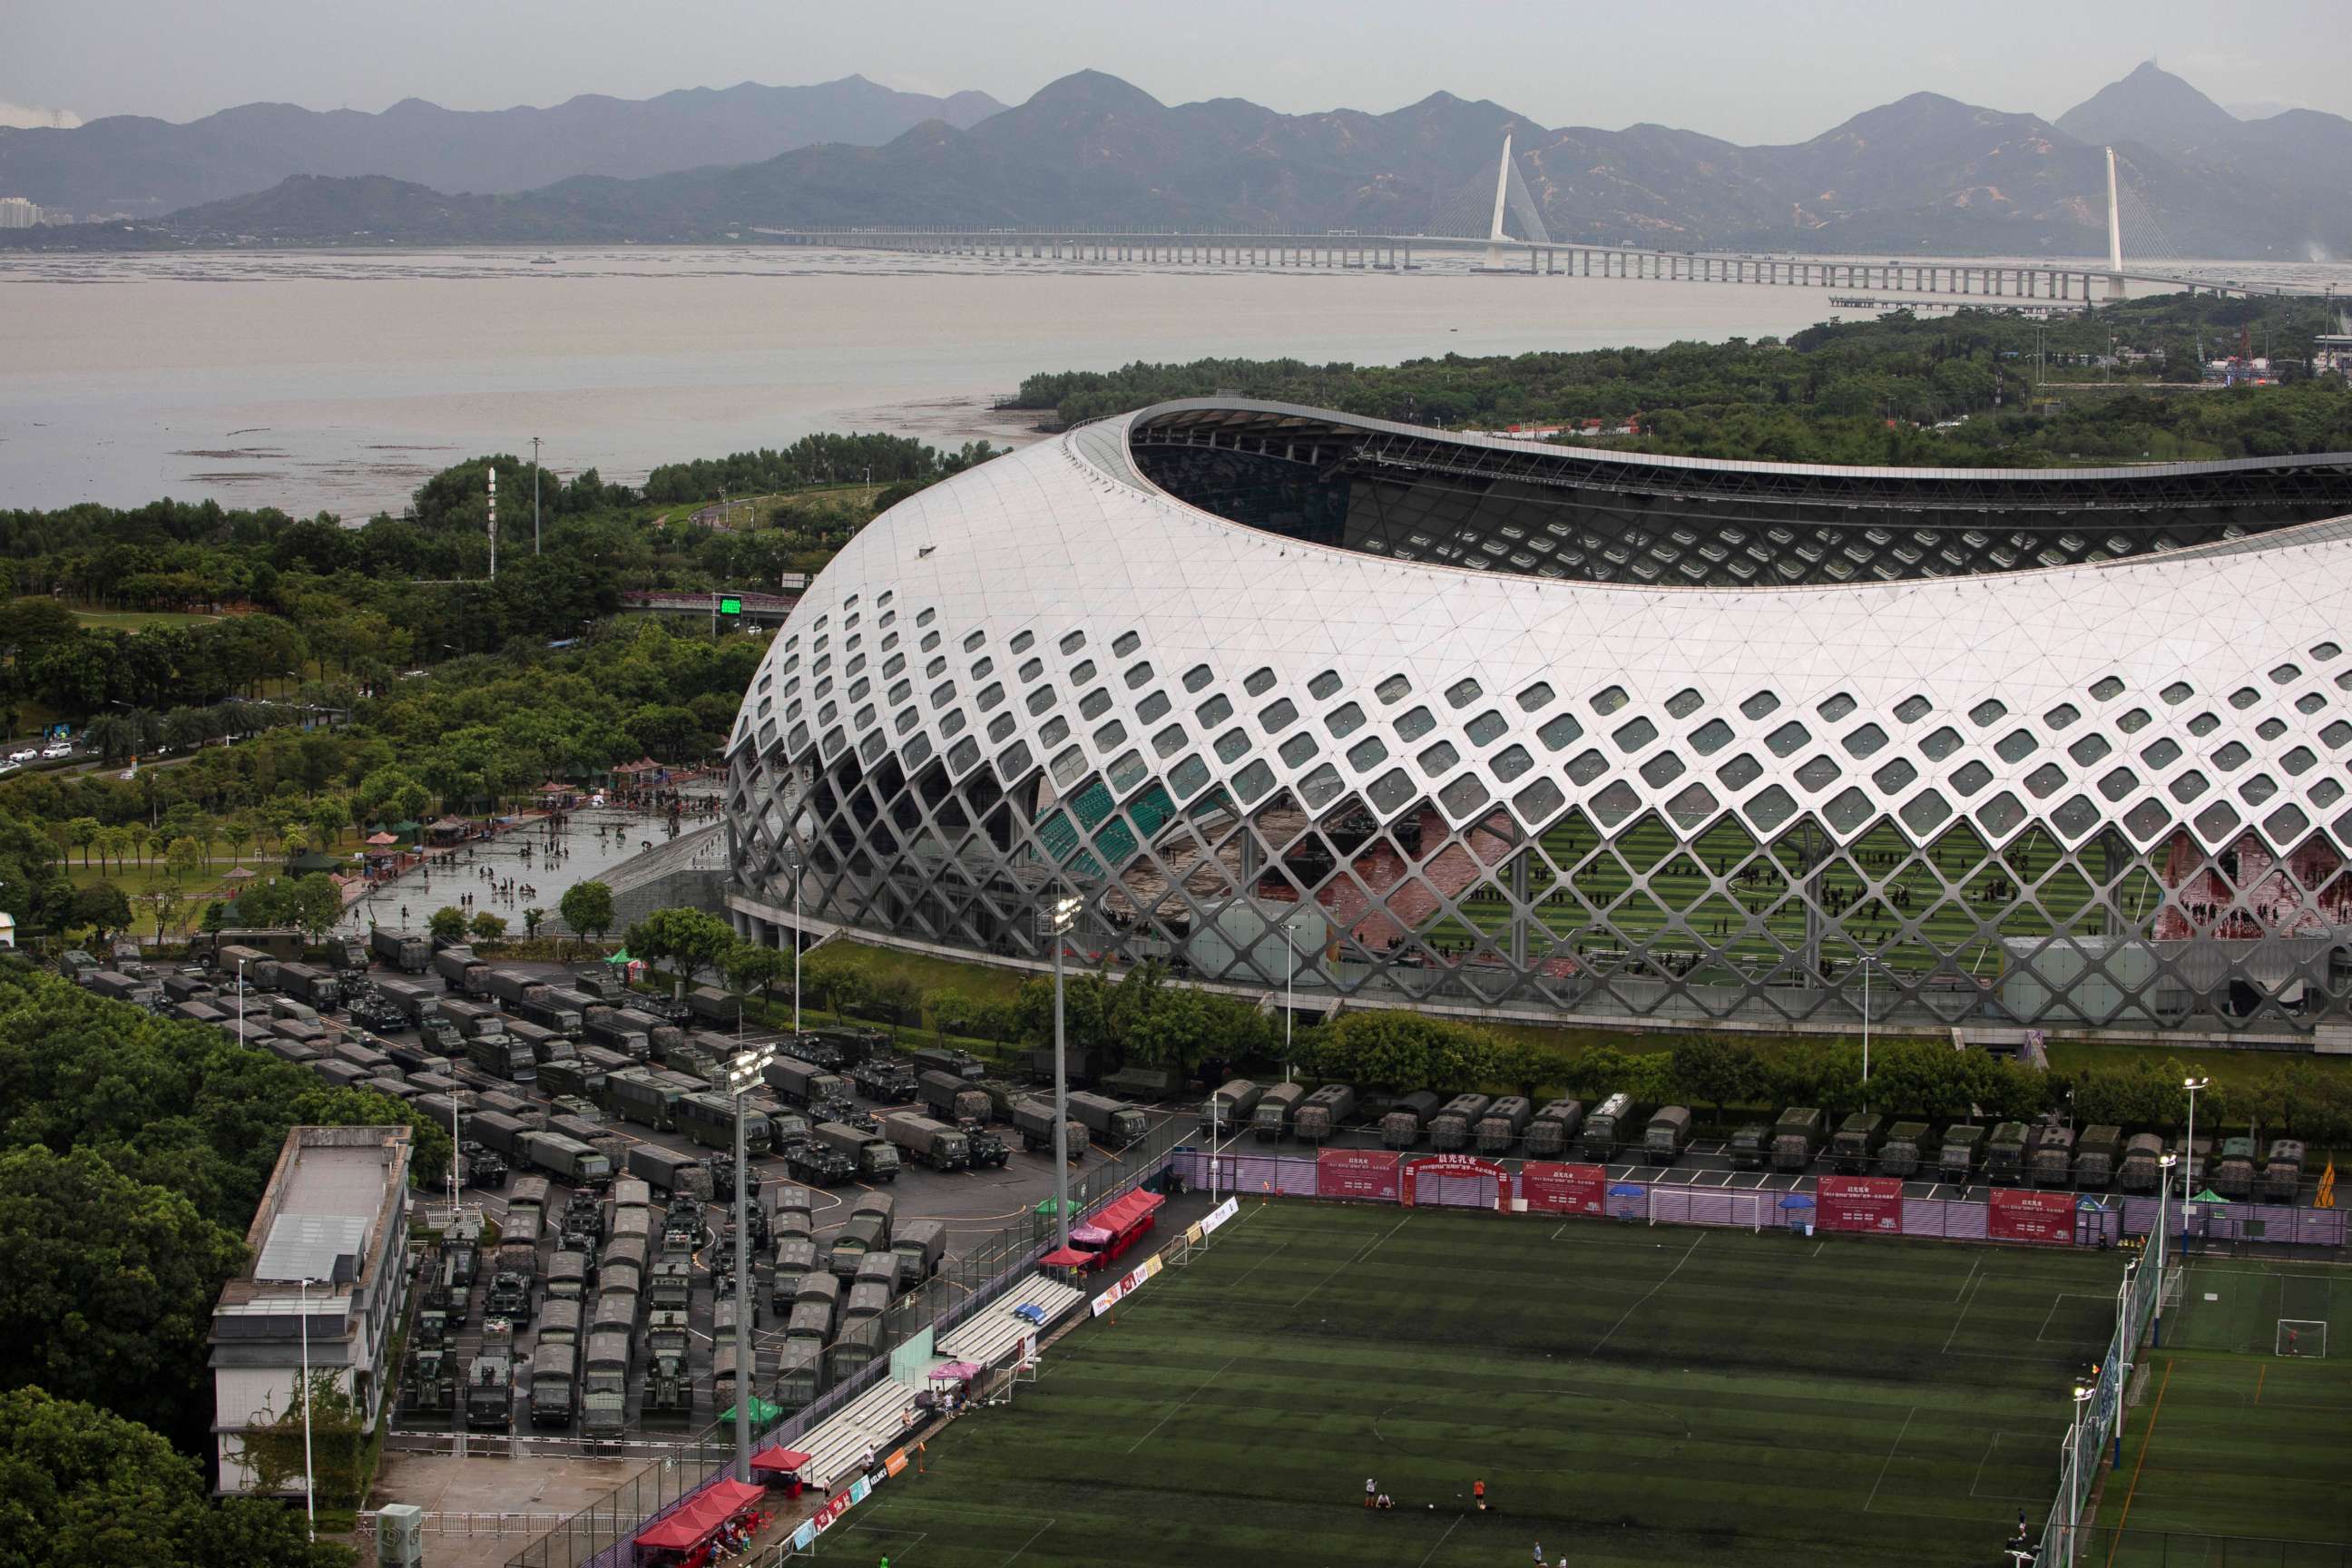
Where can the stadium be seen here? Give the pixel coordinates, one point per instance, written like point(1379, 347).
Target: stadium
point(1369, 714)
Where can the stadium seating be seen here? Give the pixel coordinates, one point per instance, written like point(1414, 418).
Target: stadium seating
point(991, 1334)
point(836, 1450)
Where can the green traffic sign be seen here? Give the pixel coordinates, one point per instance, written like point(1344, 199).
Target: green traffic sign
point(730, 606)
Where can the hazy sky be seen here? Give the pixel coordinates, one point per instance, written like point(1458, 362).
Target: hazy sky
point(1749, 70)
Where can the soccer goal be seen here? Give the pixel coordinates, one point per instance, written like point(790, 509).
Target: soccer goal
point(2303, 1337)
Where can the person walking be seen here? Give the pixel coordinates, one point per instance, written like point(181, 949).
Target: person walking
point(1370, 1491)
point(1478, 1493)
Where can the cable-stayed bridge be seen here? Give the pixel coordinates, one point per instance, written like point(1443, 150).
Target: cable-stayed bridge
point(1500, 224)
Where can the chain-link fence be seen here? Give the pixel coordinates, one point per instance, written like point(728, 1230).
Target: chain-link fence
point(2136, 1548)
point(2098, 1419)
point(598, 1536)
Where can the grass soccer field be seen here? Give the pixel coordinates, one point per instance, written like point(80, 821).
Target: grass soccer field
point(1630, 1395)
point(2229, 1438)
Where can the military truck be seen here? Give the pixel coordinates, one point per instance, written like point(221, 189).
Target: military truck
point(1227, 1111)
point(511, 986)
point(1796, 1138)
point(2283, 1171)
point(548, 1013)
point(1323, 1113)
point(574, 1080)
point(1667, 1135)
point(800, 1371)
point(859, 1234)
point(320, 988)
point(2233, 1174)
point(1450, 1130)
point(1856, 1148)
point(1750, 1146)
point(1605, 1128)
point(409, 954)
point(1114, 1122)
point(876, 1159)
point(553, 1365)
point(858, 1343)
point(489, 1381)
point(953, 1098)
point(1034, 1120)
point(892, 1080)
point(1270, 1118)
point(1078, 1067)
point(2053, 1165)
point(631, 1034)
point(868, 1298)
point(802, 1083)
point(460, 970)
point(643, 1095)
point(989, 1153)
point(2008, 1152)
point(2095, 1155)
point(1407, 1118)
point(1905, 1150)
point(2143, 1163)
point(604, 1384)
point(1500, 1128)
point(919, 1245)
point(277, 942)
point(666, 1172)
point(1554, 1127)
point(1151, 1085)
point(503, 1055)
point(935, 1144)
point(1960, 1150)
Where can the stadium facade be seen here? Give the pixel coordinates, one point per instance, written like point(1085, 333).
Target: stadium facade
point(1384, 715)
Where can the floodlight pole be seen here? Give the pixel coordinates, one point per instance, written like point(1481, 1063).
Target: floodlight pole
point(240, 996)
point(2189, 1158)
point(1289, 976)
point(796, 947)
point(1866, 1034)
point(742, 1076)
point(1064, 911)
point(310, 1491)
point(2074, 1472)
point(2163, 1192)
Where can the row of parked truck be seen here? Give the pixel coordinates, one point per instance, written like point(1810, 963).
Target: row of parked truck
point(2045, 1153)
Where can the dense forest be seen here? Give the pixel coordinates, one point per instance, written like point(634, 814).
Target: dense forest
point(1976, 389)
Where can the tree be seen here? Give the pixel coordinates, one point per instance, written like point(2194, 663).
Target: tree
point(107, 1286)
point(488, 927)
point(184, 858)
point(102, 907)
point(754, 966)
point(447, 923)
point(695, 940)
point(587, 909)
point(81, 832)
point(89, 1488)
point(329, 814)
point(317, 904)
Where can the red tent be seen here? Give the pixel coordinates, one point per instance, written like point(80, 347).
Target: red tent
point(1121, 1213)
point(1067, 1257)
point(701, 1515)
point(779, 1460)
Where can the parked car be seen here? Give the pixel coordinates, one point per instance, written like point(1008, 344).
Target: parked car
point(25, 754)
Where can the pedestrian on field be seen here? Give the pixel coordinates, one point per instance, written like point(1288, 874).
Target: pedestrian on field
point(1370, 1491)
point(1478, 1494)
point(1539, 1556)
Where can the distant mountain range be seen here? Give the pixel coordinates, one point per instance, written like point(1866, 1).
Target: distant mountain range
point(129, 163)
point(1924, 175)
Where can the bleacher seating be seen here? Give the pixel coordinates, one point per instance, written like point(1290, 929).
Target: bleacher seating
point(990, 1334)
point(873, 1420)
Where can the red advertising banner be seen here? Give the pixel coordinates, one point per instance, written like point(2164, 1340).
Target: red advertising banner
point(1549, 1188)
point(2044, 1217)
point(1368, 1175)
point(1860, 1202)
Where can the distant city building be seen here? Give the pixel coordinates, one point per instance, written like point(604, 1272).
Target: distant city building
point(326, 1244)
point(54, 218)
point(16, 211)
point(2332, 351)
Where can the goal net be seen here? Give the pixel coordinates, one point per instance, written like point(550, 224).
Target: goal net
point(2303, 1337)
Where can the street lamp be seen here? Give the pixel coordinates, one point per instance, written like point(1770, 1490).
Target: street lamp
point(798, 867)
point(1866, 961)
point(309, 1493)
point(743, 1075)
point(2083, 1392)
point(240, 997)
point(2189, 1157)
point(1059, 920)
point(2163, 1191)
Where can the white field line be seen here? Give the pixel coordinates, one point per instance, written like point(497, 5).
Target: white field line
point(1652, 1290)
point(1889, 1460)
point(1359, 1257)
point(1163, 1421)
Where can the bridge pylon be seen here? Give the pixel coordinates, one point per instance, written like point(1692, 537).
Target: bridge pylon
point(2114, 233)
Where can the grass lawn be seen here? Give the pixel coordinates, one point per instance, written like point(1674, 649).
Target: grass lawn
point(980, 980)
point(136, 620)
point(2229, 1437)
point(1628, 1396)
